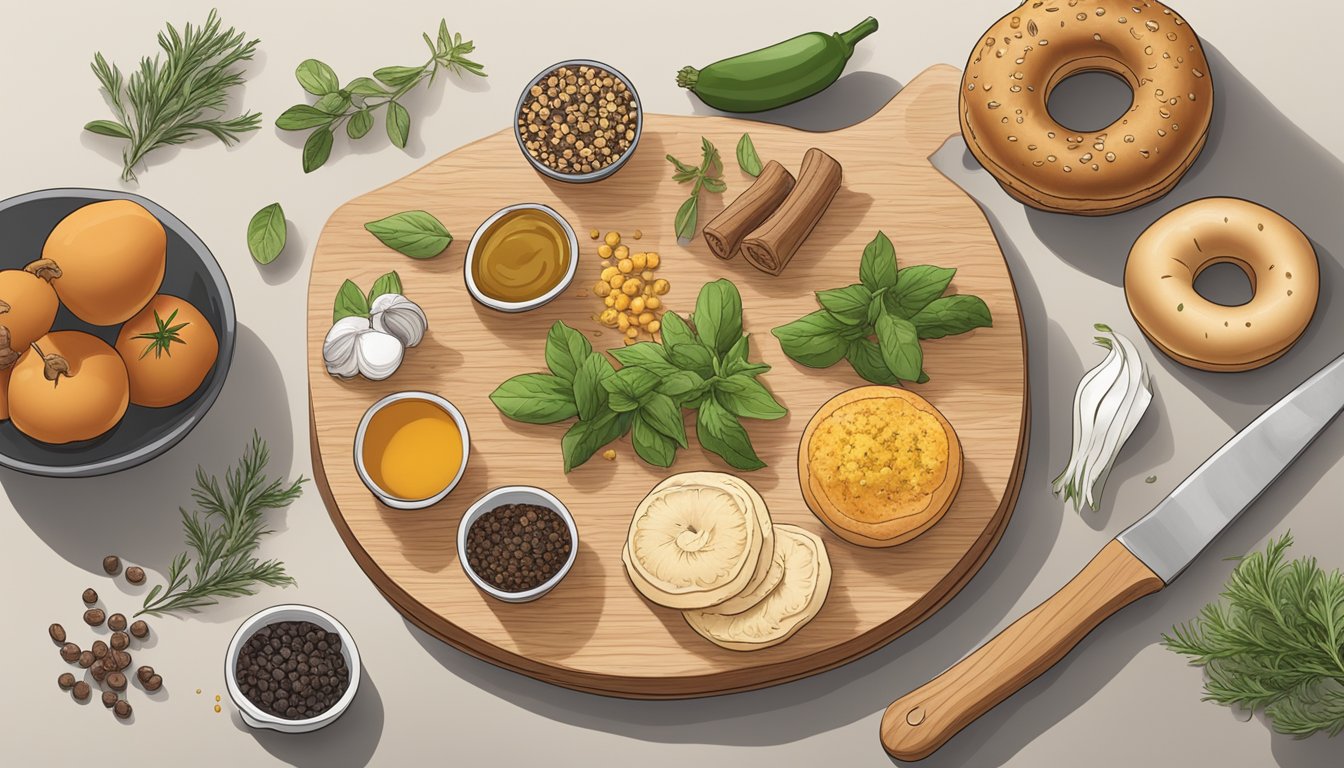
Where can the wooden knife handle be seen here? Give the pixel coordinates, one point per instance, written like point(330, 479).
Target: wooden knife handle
point(917, 724)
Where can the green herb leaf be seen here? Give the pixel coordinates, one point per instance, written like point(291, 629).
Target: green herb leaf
point(414, 233)
point(361, 122)
point(849, 304)
point(317, 149)
point(744, 396)
point(566, 350)
point(266, 233)
point(662, 413)
point(387, 283)
point(536, 398)
point(899, 343)
point(646, 354)
point(721, 433)
point(366, 86)
point(589, 394)
point(675, 330)
point(714, 185)
point(302, 117)
point(586, 438)
point(684, 172)
point(350, 302)
point(694, 357)
point(334, 103)
point(650, 444)
point(865, 358)
point(398, 77)
point(718, 316)
point(951, 315)
point(632, 382)
point(813, 340)
point(683, 386)
point(686, 219)
point(398, 124)
point(316, 78)
point(877, 269)
point(747, 159)
point(916, 287)
point(107, 128)
point(735, 361)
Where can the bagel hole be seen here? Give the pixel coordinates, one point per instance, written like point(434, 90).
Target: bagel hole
point(1089, 101)
point(1226, 284)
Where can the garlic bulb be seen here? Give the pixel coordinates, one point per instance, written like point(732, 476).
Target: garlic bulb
point(338, 350)
point(401, 317)
point(378, 354)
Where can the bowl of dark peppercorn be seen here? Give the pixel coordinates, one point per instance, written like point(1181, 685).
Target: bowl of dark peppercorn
point(291, 668)
point(517, 543)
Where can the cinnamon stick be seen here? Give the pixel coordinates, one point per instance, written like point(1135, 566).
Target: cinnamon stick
point(751, 208)
point(770, 246)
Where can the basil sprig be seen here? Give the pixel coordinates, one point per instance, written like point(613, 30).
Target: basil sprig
point(877, 323)
point(701, 366)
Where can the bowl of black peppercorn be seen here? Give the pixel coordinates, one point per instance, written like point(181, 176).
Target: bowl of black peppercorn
point(291, 668)
point(516, 543)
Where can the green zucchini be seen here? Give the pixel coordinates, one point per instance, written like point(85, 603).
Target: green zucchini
point(780, 74)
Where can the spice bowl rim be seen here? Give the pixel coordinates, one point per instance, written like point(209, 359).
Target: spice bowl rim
point(253, 715)
point(532, 494)
point(396, 502)
point(591, 176)
point(521, 306)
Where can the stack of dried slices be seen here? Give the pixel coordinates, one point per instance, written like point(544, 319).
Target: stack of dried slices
point(703, 542)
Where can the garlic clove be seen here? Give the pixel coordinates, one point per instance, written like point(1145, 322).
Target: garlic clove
point(395, 314)
point(338, 349)
point(378, 354)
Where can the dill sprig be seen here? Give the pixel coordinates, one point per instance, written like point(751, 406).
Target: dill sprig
point(177, 97)
point(222, 536)
point(1275, 641)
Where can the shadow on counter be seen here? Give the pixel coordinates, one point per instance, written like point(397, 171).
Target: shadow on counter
point(350, 741)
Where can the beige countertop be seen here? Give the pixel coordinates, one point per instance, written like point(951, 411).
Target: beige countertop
point(1119, 700)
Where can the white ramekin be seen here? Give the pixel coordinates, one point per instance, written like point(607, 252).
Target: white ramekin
point(394, 501)
point(516, 494)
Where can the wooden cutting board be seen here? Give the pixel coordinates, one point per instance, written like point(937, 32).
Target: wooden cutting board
point(594, 632)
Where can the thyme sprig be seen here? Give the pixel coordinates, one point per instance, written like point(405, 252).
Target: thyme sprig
point(163, 336)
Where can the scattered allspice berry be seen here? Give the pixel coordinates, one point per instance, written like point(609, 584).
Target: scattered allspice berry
point(57, 633)
point(135, 574)
point(120, 641)
point(122, 709)
point(116, 681)
point(154, 683)
point(94, 617)
point(116, 622)
point(81, 691)
point(109, 699)
point(99, 670)
point(144, 673)
point(90, 596)
point(121, 660)
point(70, 652)
point(86, 659)
point(112, 565)
point(139, 629)
point(99, 649)
point(66, 681)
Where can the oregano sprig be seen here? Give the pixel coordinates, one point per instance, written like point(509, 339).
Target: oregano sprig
point(708, 175)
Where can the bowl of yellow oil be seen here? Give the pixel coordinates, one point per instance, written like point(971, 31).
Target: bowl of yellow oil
point(521, 257)
point(411, 449)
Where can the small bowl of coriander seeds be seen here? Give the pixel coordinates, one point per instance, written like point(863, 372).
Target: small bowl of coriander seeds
point(516, 543)
point(578, 121)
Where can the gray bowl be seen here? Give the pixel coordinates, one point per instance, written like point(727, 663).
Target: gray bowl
point(192, 274)
point(601, 173)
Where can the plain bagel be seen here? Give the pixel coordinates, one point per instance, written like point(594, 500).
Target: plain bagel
point(1138, 158)
point(1277, 258)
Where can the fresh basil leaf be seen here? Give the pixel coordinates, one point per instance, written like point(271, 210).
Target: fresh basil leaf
point(589, 394)
point(301, 117)
point(366, 86)
point(621, 402)
point(566, 350)
point(747, 159)
point(951, 315)
point(718, 316)
point(675, 330)
point(745, 397)
point(664, 415)
point(682, 386)
point(414, 233)
point(535, 398)
point(387, 283)
point(398, 124)
point(875, 310)
point(633, 382)
point(317, 149)
point(735, 361)
point(396, 77)
point(334, 103)
point(651, 445)
point(899, 342)
point(586, 438)
point(877, 268)
point(692, 357)
point(916, 287)
point(350, 302)
point(316, 78)
point(739, 351)
point(849, 304)
point(107, 128)
point(865, 358)
point(714, 185)
point(646, 354)
point(813, 340)
point(686, 219)
point(359, 125)
point(266, 234)
point(721, 433)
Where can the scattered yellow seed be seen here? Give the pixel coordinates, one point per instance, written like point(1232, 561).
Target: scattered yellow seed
point(621, 252)
point(610, 299)
point(606, 263)
point(653, 302)
point(613, 239)
point(594, 234)
point(637, 304)
point(639, 260)
point(609, 273)
point(604, 251)
point(638, 234)
point(602, 289)
point(608, 317)
point(626, 266)
point(645, 318)
point(632, 333)
point(621, 301)
point(198, 691)
point(623, 321)
point(631, 286)
point(216, 697)
point(661, 286)
point(654, 326)
point(217, 709)
point(647, 275)
point(653, 260)
point(616, 281)
point(609, 454)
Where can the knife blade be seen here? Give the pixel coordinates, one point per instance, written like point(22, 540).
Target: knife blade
point(1142, 560)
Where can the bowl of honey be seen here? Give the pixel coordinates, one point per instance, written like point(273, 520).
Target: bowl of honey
point(521, 257)
point(411, 449)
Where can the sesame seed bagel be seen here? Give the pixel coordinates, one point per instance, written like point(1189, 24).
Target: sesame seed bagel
point(1138, 158)
point(1277, 258)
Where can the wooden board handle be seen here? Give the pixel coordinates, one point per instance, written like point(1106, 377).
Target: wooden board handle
point(917, 724)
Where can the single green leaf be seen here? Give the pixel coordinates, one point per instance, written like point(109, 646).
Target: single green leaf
point(389, 282)
point(359, 125)
point(317, 149)
point(875, 309)
point(745, 397)
point(735, 361)
point(589, 394)
point(714, 185)
point(694, 357)
point(916, 287)
point(316, 78)
point(633, 382)
point(813, 340)
point(721, 433)
point(414, 233)
point(951, 315)
point(685, 220)
point(899, 343)
point(849, 304)
point(877, 268)
point(334, 103)
point(586, 438)
point(865, 358)
point(398, 124)
point(107, 128)
point(663, 414)
point(718, 316)
point(675, 330)
point(646, 354)
point(266, 233)
point(683, 386)
point(365, 86)
point(535, 398)
point(684, 170)
point(350, 302)
point(621, 402)
point(397, 77)
point(747, 159)
point(301, 117)
point(566, 350)
point(651, 445)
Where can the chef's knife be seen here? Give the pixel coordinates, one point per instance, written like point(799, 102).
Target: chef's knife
point(1143, 559)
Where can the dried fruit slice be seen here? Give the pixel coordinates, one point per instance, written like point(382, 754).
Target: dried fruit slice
point(790, 605)
point(753, 594)
point(696, 540)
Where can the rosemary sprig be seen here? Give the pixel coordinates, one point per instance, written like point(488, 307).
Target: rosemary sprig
point(163, 336)
point(222, 536)
point(1275, 641)
point(179, 97)
point(354, 104)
